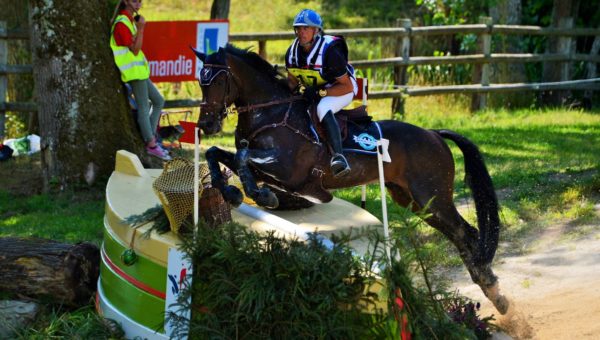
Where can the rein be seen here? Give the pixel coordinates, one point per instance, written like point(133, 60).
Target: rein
point(284, 124)
point(248, 108)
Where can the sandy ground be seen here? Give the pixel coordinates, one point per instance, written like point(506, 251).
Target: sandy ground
point(554, 288)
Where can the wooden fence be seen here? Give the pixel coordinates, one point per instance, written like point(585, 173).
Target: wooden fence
point(403, 34)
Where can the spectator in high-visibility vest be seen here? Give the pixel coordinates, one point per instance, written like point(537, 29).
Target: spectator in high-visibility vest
point(126, 38)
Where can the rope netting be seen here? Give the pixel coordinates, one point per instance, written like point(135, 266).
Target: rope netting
point(175, 190)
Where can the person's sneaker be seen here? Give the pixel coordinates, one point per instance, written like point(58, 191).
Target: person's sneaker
point(158, 152)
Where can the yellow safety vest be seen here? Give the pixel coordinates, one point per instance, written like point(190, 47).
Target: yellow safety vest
point(132, 67)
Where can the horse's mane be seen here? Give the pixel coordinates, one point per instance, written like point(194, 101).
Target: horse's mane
point(258, 63)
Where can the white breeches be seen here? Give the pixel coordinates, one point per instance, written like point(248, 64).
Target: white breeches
point(333, 104)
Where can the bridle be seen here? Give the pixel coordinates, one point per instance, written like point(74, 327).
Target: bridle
point(208, 73)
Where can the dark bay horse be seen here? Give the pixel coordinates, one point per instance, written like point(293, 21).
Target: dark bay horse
point(275, 146)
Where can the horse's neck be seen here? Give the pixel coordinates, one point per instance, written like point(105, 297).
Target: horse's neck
point(292, 115)
point(259, 90)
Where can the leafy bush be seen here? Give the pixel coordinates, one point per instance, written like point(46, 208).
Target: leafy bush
point(261, 286)
point(464, 312)
point(250, 285)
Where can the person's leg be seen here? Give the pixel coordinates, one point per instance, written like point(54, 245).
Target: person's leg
point(158, 103)
point(325, 110)
point(140, 92)
point(333, 104)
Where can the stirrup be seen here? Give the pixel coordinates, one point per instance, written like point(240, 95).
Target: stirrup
point(339, 165)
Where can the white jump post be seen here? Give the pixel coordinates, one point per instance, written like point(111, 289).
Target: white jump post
point(196, 178)
point(364, 87)
point(386, 231)
point(363, 196)
point(179, 266)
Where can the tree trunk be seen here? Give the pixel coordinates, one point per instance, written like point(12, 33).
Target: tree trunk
point(220, 9)
point(507, 12)
point(551, 72)
point(83, 114)
point(44, 269)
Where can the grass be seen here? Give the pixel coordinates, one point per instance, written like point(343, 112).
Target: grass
point(55, 323)
point(543, 162)
point(67, 218)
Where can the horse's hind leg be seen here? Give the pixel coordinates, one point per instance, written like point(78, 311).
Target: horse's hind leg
point(445, 217)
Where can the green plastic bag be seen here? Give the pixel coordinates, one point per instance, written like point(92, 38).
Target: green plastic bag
point(21, 146)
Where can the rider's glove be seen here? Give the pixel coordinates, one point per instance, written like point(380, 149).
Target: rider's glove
point(299, 89)
point(311, 94)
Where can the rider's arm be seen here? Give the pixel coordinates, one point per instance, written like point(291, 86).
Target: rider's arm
point(136, 45)
point(335, 68)
point(343, 85)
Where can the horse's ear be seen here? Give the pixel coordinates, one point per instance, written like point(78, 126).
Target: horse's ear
point(199, 54)
point(222, 56)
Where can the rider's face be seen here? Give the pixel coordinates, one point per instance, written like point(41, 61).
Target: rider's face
point(305, 34)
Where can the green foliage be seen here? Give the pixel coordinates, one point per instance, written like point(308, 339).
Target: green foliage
point(434, 313)
point(84, 323)
point(262, 286)
point(451, 12)
point(250, 285)
point(465, 313)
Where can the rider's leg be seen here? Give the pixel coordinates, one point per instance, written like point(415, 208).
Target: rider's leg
point(325, 110)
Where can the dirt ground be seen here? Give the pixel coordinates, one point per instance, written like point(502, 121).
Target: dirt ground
point(554, 288)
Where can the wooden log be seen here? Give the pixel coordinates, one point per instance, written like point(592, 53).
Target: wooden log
point(48, 270)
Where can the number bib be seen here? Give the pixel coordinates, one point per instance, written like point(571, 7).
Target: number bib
point(308, 77)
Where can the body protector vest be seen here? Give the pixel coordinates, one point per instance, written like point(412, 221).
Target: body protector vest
point(311, 74)
point(132, 67)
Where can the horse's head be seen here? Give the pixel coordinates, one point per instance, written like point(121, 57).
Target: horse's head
point(219, 91)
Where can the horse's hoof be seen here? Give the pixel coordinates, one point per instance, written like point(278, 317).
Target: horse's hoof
point(501, 303)
point(266, 198)
point(233, 195)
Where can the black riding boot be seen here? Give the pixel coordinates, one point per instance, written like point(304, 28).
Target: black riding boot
point(339, 164)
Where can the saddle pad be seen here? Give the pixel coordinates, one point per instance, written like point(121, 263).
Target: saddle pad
point(362, 138)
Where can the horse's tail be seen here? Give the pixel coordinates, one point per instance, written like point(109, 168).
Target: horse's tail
point(486, 203)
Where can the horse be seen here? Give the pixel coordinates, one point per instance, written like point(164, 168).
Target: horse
point(276, 145)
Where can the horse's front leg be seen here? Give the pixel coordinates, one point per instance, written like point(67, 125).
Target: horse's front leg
point(214, 156)
point(263, 196)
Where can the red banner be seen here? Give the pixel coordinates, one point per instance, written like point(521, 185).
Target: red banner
point(167, 47)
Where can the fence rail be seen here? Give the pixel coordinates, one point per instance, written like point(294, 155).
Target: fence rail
point(403, 34)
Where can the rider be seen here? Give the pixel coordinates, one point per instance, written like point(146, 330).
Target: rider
point(318, 68)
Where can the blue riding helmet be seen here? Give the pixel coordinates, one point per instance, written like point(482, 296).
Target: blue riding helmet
point(308, 17)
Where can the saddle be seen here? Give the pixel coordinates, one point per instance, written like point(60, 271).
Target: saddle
point(357, 116)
